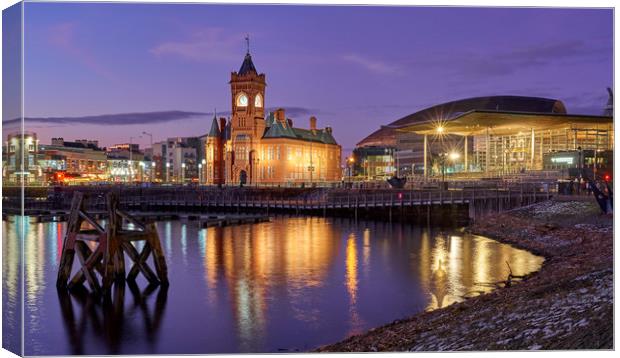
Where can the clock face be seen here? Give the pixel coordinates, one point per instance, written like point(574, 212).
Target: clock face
point(242, 100)
point(258, 101)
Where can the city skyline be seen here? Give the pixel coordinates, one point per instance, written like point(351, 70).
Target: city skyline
point(171, 62)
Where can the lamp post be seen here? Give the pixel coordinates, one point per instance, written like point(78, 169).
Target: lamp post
point(200, 173)
point(204, 166)
point(182, 173)
point(150, 136)
point(167, 171)
point(350, 162)
point(151, 143)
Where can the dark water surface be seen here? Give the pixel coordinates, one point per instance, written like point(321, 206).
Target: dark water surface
point(290, 284)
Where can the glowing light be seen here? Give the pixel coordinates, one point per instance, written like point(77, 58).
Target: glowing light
point(440, 129)
point(454, 156)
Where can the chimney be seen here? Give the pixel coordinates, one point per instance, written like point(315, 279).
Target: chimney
point(313, 123)
point(280, 116)
point(328, 130)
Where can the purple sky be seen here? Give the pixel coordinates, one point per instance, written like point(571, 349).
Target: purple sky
point(355, 68)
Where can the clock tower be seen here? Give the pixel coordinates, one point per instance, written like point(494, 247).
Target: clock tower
point(248, 120)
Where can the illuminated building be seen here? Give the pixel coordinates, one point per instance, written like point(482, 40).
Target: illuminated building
point(374, 162)
point(80, 159)
point(126, 162)
point(20, 159)
point(269, 150)
point(500, 134)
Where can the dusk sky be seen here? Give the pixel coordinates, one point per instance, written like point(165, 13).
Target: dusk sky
point(354, 68)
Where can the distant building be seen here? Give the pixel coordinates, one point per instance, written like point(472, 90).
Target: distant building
point(19, 157)
point(507, 142)
point(259, 149)
point(372, 162)
point(409, 146)
point(81, 159)
point(127, 163)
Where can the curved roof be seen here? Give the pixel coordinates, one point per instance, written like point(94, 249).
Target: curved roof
point(386, 135)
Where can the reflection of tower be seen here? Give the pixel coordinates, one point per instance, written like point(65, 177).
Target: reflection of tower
point(439, 284)
point(258, 262)
point(248, 118)
point(352, 283)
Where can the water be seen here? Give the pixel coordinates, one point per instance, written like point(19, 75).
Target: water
point(287, 285)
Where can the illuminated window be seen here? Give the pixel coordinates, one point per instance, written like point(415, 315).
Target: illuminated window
point(242, 100)
point(258, 101)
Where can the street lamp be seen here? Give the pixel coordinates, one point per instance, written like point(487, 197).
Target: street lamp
point(182, 173)
point(204, 165)
point(150, 136)
point(350, 161)
point(200, 173)
point(167, 171)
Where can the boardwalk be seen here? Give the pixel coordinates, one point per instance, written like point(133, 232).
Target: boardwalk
point(291, 200)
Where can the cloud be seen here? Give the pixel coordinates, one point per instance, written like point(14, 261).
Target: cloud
point(142, 117)
point(371, 65)
point(63, 37)
point(114, 119)
point(476, 64)
point(205, 45)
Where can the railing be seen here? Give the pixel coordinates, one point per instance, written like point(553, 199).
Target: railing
point(286, 198)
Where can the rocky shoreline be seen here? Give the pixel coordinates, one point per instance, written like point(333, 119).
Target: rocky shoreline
point(568, 304)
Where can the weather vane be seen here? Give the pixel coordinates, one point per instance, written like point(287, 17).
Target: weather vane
point(247, 41)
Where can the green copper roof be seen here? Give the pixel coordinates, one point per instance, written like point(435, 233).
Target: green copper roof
point(277, 130)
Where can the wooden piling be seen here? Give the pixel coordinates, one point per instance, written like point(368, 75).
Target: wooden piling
point(106, 264)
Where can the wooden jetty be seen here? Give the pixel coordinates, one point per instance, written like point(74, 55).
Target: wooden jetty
point(465, 201)
point(106, 263)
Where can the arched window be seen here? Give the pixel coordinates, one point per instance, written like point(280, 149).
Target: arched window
point(242, 100)
point(258, 101)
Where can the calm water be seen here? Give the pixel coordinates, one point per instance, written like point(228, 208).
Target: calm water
point(291, 284)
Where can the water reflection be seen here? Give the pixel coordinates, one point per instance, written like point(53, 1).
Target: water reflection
point(12, 239)
point(105, 320)
point(286, 285)
point(462, 267)
point(351, 282)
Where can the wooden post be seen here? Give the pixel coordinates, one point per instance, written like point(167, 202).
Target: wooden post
point(108, 259)
point(68, 246)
